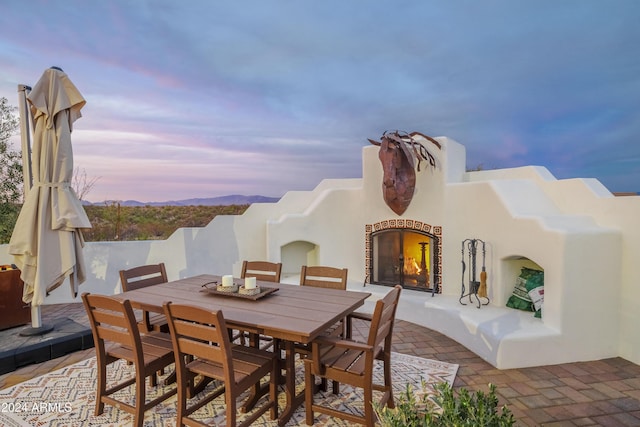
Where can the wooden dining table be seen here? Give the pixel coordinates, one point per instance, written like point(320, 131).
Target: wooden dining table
point(292, 314)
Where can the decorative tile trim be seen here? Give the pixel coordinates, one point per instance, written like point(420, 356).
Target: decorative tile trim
point(404, 224)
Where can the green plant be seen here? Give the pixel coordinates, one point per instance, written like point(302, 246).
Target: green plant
point(446, 408)
point(10, 171)
point(8, 217)
point(10, 160)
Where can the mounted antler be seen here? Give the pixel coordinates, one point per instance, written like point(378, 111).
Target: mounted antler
point(396, 154)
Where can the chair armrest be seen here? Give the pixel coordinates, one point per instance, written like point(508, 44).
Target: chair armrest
point(348, 328)
point(341, 343)
point(361, 316)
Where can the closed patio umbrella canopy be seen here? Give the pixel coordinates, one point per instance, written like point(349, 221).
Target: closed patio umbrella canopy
point(46, 241)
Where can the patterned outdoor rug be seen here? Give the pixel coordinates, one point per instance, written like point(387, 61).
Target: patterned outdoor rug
point(66, 397)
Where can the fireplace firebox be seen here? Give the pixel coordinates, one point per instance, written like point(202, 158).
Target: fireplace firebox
point(409, 256)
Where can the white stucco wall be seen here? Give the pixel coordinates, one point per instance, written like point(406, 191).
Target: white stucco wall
point(586, 240)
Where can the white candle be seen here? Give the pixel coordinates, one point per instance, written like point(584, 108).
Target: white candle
point(227, 280)
point(250, 283)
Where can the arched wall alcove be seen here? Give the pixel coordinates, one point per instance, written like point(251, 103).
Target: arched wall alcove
point(294, 255)
point(511, 267)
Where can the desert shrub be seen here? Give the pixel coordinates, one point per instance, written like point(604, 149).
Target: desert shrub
point(112, 222)
point(447, 409)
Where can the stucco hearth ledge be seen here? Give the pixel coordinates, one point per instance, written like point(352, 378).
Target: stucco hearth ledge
point(504, 337)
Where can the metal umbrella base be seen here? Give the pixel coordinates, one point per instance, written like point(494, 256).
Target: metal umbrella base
point(36, 328)
point(33, 331)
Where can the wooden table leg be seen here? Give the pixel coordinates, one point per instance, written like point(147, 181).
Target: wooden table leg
point(293, 400)
point(257, 391)
point(195, 388)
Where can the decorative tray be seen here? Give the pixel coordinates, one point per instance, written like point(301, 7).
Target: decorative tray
point(211, 288)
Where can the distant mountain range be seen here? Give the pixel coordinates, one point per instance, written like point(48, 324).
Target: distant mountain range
point(234, 199)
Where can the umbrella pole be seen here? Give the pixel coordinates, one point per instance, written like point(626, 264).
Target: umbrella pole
point(25, 132)
point(27, 174)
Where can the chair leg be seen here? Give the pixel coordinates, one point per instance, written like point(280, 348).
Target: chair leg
point(273, 388)
point(101, 388)
point(387, 383)
point(190, 380)
point(256, 390)
point(153, 379)
point(368, 407)
point(184, 392)
point(309, 386)
point(231, 408)
point(141, 384)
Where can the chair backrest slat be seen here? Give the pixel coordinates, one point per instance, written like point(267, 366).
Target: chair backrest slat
point(262, 270)
point(201, 350)
point(196, 330)
point(143, 276)
point(110, 317)
point(122, 337)
point(323, 277)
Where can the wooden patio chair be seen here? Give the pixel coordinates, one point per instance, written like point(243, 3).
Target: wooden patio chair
point(141, 277)
point(202, 347)
point(325, 277)
point(351, 362)
point(264, 271)
point(116, 336)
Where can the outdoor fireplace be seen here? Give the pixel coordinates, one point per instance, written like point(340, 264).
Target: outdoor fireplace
point(404, 252)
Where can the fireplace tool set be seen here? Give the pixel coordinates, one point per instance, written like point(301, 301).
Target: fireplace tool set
point(477, 288)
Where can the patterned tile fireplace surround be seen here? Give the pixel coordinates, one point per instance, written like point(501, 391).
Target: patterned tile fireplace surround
point(407, 278)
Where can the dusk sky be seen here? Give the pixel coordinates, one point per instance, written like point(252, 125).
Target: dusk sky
point(203, 98)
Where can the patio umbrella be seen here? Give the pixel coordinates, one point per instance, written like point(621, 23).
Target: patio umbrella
point(47, 241)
